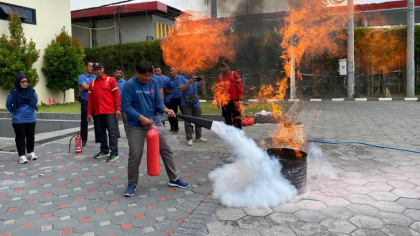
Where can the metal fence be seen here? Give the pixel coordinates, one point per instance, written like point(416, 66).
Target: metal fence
point(317, 85)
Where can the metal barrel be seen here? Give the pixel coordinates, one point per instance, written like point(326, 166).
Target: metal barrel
point(293, 168)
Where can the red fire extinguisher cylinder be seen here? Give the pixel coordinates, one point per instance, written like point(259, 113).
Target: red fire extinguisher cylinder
point(78, 143)
point(152, 139)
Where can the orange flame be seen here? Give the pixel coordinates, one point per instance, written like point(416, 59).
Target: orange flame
point(310, 29)
point(196, 43)
point(271, 94)
point(289, 134)
point(221, 95)
point(381, 50)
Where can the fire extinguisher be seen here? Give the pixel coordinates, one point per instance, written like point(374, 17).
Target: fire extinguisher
point(152, 139)
point(78, 143)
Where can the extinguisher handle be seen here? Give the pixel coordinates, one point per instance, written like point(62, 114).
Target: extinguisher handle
point(152, 122)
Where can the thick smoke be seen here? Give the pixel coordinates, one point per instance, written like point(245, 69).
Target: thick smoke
point(318, 164)
point(253, 179)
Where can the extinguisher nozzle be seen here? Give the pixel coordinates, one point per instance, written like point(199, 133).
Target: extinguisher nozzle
point(197, 120)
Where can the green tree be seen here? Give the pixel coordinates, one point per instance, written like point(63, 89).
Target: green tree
point(17, 55)
point(63, 62)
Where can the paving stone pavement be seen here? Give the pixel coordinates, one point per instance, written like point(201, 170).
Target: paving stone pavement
point(376, 192)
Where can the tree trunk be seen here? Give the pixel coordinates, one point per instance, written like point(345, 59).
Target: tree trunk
point(64, 96)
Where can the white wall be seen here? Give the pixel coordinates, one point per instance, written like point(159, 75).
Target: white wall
point(51, 16)
point(82, 34)
point(134, 29)
point(163, 20)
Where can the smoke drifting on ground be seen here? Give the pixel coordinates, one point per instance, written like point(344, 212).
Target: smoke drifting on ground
point(253, 179)
point(318, 164)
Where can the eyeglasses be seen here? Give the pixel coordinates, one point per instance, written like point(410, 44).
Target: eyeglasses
point(24, 82)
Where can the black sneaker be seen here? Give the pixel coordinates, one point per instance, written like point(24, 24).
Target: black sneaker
point(112, 158)
point(100, 155)
point(83, 143)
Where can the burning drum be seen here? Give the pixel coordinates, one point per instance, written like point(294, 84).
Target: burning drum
point(293, 166)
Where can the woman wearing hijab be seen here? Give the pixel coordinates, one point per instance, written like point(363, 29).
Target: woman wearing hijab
point(21, 102)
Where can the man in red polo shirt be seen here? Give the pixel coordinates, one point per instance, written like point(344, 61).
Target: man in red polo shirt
point(103, 98)
point(232, 110)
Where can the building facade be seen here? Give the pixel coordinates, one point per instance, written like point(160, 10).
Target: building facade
point(41, 23)
point(96, 27)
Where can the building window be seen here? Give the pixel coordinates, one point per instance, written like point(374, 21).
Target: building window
point(27, 15)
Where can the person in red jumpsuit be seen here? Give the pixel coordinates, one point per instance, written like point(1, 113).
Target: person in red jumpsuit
point(232, 110)
point(104, 99)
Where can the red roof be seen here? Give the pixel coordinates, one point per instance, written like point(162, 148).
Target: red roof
point(376, 6)
point(383, 5)
point(127, 8)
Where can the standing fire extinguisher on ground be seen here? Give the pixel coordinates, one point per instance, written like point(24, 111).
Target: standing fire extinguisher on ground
point(78, 143)
point(152, 139)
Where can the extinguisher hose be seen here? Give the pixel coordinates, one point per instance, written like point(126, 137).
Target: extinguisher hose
point(70, 141)
point(362, 143)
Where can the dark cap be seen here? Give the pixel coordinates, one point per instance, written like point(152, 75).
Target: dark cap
point(97, 65)
point(222, 63)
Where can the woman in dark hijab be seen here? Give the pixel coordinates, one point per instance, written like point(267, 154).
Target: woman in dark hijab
point(21, 102)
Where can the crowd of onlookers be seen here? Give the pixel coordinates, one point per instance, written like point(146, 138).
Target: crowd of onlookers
point(140, 102)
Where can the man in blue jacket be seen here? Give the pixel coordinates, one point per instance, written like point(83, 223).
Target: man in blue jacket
point(84, 81)
point(191, 86)
point(166, 96)
point(118, 75)
point(172, 88)
point(143, 105)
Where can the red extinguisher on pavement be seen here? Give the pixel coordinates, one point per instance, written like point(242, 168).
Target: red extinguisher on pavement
point(78, 143)
point(152, 139)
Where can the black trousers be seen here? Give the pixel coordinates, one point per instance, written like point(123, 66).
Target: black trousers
point(168, 105)
point(117, 126)
point(106, 122)
point(83, 120)
point(175, 103)
point(84, 123)
point(25, 137)
point(232, 114)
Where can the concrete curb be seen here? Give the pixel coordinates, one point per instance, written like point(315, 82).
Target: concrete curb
point(48, 116)
point(328, 100)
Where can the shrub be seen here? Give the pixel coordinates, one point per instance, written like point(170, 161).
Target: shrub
point(17, 55)
point(63, 62)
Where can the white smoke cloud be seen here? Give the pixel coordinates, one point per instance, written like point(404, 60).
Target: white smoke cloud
point(253, 179)
point(318, 164)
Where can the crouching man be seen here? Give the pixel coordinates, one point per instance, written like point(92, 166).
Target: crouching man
point(143, 104)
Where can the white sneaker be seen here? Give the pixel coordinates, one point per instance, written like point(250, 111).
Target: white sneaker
point(32, 156)
point(23, 160)
point(201, 140)
point(189, 143)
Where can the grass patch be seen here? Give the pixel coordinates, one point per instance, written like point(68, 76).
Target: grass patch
point(73, 107)
point(206, 107)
